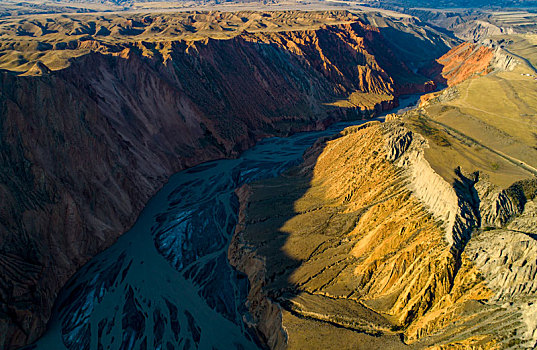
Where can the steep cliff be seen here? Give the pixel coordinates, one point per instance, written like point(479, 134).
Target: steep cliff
point(463, 62)
point(466, 61)
point(376, 245)
point(84, 147)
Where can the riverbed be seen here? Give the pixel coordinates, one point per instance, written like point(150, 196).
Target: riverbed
point(166, 283)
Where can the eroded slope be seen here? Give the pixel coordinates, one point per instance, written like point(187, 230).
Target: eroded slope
point(356, 250)
point(422, 227)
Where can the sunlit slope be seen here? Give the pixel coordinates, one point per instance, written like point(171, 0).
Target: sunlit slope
point(55, 39)
point(359, 249)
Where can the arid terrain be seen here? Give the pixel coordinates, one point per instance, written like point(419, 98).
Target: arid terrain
point(413, 231)
point(99, 111)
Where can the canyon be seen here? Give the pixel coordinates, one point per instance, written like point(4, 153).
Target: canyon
point(166, 282)
point(85, 146)
point(417, 232)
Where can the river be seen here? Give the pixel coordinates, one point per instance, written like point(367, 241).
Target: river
point(166, 283)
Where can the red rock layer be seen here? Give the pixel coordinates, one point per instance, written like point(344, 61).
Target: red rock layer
point(462, 62)
point(82, 149)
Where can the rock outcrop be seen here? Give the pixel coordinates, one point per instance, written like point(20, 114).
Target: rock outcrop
point(83, 148)
point(463, 62)
point(376, 245)
point(466, 61)
point(505, 251)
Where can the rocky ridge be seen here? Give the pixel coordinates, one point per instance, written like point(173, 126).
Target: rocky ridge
point(414, 250)
point(463, 62)
point(473, 59)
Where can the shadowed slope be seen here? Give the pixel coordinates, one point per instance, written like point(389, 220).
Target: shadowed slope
point(166, 282)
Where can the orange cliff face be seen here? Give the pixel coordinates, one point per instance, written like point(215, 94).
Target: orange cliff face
point(83, 148)
point(463, 62)
point(459, 64)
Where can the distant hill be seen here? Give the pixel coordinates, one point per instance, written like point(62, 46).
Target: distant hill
point(455, 4)
point(375, 3)
point(11, 8)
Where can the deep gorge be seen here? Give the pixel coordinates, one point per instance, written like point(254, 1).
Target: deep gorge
point(85, 147)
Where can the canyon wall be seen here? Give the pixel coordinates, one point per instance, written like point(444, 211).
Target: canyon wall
point(469, 60)
point(83, 148)
point(462, 62)
point(465, 61)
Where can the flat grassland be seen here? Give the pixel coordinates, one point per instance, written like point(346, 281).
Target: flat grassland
point(488, 123)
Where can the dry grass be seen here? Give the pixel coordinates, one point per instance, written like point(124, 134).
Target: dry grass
point(490, 124)
point(524, 45)
point(362, 100)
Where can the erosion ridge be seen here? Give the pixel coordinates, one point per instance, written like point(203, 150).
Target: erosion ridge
point(384, 248)
point(84, 147)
